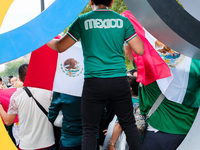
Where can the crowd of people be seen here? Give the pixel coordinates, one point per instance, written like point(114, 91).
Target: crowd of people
point(13, 82)
point(108, 90)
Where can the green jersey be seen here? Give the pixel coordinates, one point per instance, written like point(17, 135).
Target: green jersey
point(102, 33)
point(170, 117)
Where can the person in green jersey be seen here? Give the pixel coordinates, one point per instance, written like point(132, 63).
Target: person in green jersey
point(102, 33)
point(169, 124)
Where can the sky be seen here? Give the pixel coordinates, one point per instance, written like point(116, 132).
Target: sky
point(21, 12)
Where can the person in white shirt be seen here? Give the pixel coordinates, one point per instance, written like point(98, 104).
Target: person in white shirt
point(35, 131)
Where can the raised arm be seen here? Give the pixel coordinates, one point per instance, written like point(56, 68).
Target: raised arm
point(61, 45)
point(128, 52)
point(136, 45)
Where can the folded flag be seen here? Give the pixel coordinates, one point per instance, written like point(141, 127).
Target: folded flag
point(183, 86)
point(60, 72)
point(150, 66)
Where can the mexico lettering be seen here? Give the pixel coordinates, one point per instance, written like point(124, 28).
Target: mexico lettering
point(106, 23)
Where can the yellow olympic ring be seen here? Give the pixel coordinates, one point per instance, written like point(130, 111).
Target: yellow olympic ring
point(4, 6)
point(6, 142)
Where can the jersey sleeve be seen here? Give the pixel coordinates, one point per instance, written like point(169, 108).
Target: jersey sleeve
point(130, 31)
point(75, 30)
point(55, 107)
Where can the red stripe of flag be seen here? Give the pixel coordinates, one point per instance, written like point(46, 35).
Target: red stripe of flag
point(42, 68)
point(150, 66)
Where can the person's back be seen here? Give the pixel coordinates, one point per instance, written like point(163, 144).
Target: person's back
point(71, 131)
point(106, 31)
point(35, 131)
point(102, 33)
point(168, 124)
point(34, 127)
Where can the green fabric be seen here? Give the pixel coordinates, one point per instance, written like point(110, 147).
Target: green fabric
point(134, 65)
point(170, 117)
point(71, 132)
point(192, 95)
point(102, 35)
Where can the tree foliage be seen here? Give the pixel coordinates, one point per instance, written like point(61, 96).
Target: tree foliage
point(118, 6)
point(12, 68)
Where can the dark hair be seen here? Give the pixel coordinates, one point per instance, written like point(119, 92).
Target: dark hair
point(132, 71)
point(22, 71)
point(0, 79)
point(104, 2)
point(10, 76)
point(133, 84)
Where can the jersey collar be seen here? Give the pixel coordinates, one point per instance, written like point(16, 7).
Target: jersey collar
point(102, 10)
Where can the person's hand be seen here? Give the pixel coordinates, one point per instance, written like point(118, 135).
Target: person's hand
point(105, 132)
point(111, 147)
point(3, 84)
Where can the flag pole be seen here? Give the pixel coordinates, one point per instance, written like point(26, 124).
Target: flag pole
point(42, 5)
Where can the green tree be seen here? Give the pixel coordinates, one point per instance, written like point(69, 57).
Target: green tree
point(118, 6)
point(12, 68)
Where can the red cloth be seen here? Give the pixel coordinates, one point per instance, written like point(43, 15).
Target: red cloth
point(5, 95)
point(150, 66)
point(42, 68)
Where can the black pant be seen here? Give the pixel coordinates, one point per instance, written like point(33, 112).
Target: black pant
point(162, 141)
point(95, 93)
point(69, 148)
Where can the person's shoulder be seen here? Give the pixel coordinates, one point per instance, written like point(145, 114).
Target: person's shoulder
point(35, 90)
point(82, 17)
point(86, 14)
point(18, 92)
point(117, 14)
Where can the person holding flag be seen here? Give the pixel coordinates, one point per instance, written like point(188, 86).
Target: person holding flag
point(102, 33)
point(170, 123)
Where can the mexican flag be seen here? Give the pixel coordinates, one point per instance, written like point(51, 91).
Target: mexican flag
point(59, 72)
point(183, 86)
point(150, 66)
